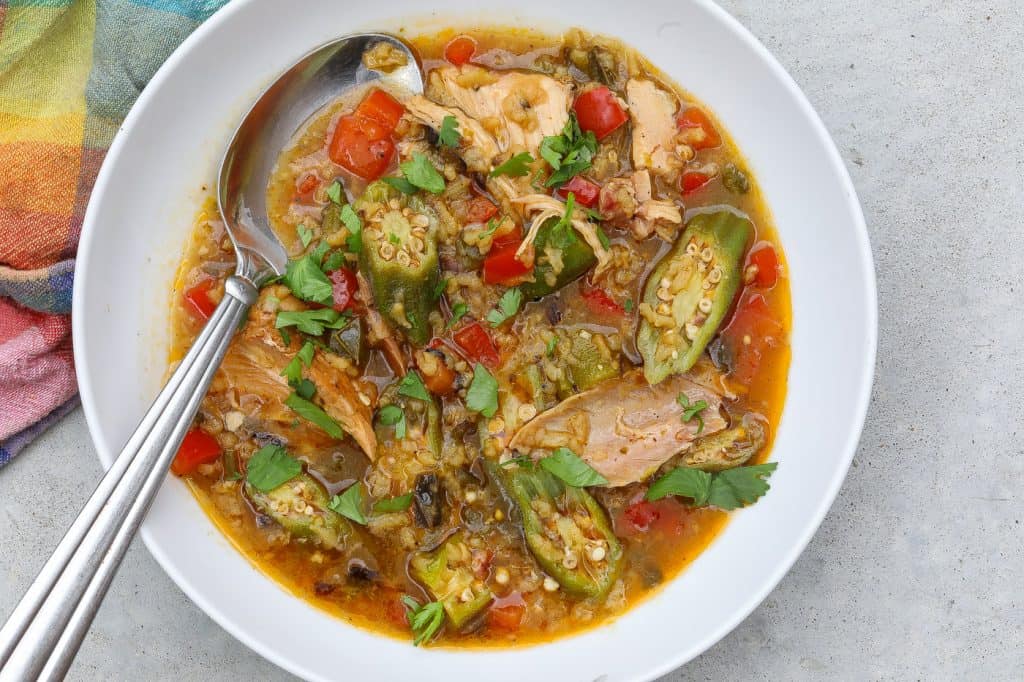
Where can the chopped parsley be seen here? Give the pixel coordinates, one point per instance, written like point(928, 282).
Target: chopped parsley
point(569, 153)
point(311, 413)
point(552, 343)
point(508, 306)
point(601, 236)
point(516, 167)
point(566, 465)
point(312, 322)
point(350, 503)
point(393, 415)
point(305, 235)
point(440, 287)
point(459, 310)
point(420, 172)
point(355, 229)
point(449, 134)
point(334, 191)
point(307, 281)
point(401, 184)
point(692, 411)
point(424, 620)
point(393, 504)
point(412, 386)
point(271, 467)
point(727, 490)
point(562, 235)
point(482, 395)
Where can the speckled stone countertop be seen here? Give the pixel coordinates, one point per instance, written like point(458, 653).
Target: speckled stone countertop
point(918, 570)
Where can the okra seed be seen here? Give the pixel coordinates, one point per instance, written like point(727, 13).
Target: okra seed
point(570, 561)
point(403, 259)
point(716, 275)
point(597, 553)
point(395, 204)
point(420, 220)
point(387, 251)
point(470, 496)
point(707, 254)
point(467, 595)
point(750, 273)
point(705, 305)
point(550, 584)
point(664, 294)
point(665, 282)
point(527, 412)
point(691, 249)
point(499, 515)
point(675, 355)
point(496, 425)
point(584, 334)
point(663, 309)
point(415, 244)
point(691, 331)
point(501, 576)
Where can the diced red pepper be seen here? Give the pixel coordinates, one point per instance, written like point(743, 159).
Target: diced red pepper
point(480, 210)
point(752, 331)
point(693, 181)
point(476, 344)
point(382, 108)
point(503, 267)
point(198, 301)
point(306, 187)
point(362, 140)
point(513, 236)
point(460, 50)
point(343, 288)
point(665, 516)
point(600, 302)
point(598, 110)
point(198, 447)
point(703, 134)
point(767, 261)
point(508, 617)
point(584, 191)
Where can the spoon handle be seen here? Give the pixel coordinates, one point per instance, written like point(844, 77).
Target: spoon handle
point(43, 633)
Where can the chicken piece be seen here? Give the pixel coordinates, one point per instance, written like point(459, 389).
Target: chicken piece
point(543, 207)
point(627, 202)
point(518, 109)
point(476, 146)
point(251, 371)
point(652, 111)
point(624, 428)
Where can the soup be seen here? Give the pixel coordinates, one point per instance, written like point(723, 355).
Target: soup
point(529, 352)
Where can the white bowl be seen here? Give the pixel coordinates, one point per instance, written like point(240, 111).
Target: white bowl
point(141, 212)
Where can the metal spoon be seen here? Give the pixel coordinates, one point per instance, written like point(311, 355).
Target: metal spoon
point(43, 633)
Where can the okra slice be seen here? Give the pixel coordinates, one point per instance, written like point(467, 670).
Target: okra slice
point(447, 575)
point(586, 358)
point(565, 528)
point(576, 258)
point(729, 448)
point(399, 258)
point(689, 292)
point(422, 422)
point(300, 507)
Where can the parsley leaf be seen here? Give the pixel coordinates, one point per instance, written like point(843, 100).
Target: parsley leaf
point(305, 389)
point(394, 504)
point(412, 386)
point(628, 305)
point(449, 134)
point(350, 503)
point(401, 184)
point(602, 237)
point(307, 281)
point(424, 620)
point(692, 483)
point(552, 343)
point(562, 235)
point(314, 414)
point(566, 465)
point(482, 395)
point(693, 411)
point(334, 191)
point(270, 467)
point(440, 287)
point(312, 322)
point(305, 235)
point(458, 311)
point(727, 490)
point(421, 173)
point(392, 415)
point(293, 371)
point(508, 305)
point(334, 261)
point(519, 461)
point(355, 229)
point(515, 167)
point(569, 153)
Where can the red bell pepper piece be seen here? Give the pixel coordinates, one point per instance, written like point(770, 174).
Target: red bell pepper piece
point(362, 141)
point(460, 50)
point(751, 333)
point(306, 187)
point(767, 261)
point(476, 345)
point(600, 302)
point(704, 135)
point(503, 267)
point(198, 301)
point(343, 288)
point(480, 210)
point(598, 110)
point(584, 191)
point(198, 447)
point(382, 108)
point(508, 617)
point(692, 181)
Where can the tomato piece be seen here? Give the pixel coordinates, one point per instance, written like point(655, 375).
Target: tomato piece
point(480, 210)
point(460, 50)
point(476, 344)
point(198, 301)
point(693, 181)
point(598, 110)
point(362, 146)
point(665, 516)
point(343, 288)
point(513, 236)
point(600, 302)
point(306, 187)
point(442, 381)
point(508, 617)
point(767, 261)
point(382, 108)
point(701, 131)
point(198, 447)
point(751, 333)
point(584, 191)
point(503, 267)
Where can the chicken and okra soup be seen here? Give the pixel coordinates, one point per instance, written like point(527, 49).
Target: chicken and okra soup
point(528, 354)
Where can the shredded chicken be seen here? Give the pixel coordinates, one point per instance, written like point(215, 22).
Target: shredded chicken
point(627, 202)
point(544, 207)
point(476, 146)
point(652, 111)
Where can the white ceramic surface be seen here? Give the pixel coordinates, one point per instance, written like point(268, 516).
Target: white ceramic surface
point(164, 158)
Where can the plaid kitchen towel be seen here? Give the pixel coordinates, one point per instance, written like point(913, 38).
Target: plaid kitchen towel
point(69, 72)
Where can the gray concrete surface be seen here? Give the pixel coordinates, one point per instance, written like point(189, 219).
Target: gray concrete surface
point(917, 572)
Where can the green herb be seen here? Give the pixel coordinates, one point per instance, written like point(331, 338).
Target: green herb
point(350, 503)
point(421, 173)
point(628, 305)
point(305, 235)
point(535, 182)
point(334, 191)
point(307, 281)
point(270, 467)
point(449, 134)
point(392, 415)
point(305, 389)
point(285, 336)
point(735, 180)
point(727, 490)
point(312, 322)
point(393, 238)
point(693, 411)
point(562, 235)
point(492, 226)
point(424, 620)
point(552, 343)
point(566, 465)
point(519, 461)
point(595, 216)
point(394, 504)
point(569, 153)
point(516, 167)
point(508, 305)
point(293, 371)
point(412, 386)
point(314, 414)
point(482, 395)
point(334, 261)
point(602, 237)
point(355, 229)
point(401, 184)
point(458, 311)
point(440, 287)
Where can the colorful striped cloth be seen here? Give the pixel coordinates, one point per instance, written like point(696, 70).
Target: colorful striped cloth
point(69, 72)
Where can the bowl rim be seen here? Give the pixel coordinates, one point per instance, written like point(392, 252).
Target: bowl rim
point(812, 523)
